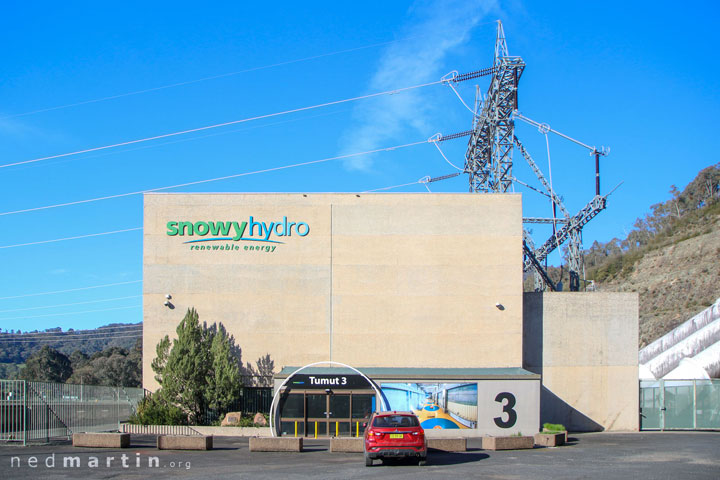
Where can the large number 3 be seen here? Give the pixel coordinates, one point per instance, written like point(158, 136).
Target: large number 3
point(507, 408)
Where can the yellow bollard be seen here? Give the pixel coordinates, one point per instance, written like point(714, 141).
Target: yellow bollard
point(296, 428)
point(337, 430)
point(357, 429)
point(315, 429)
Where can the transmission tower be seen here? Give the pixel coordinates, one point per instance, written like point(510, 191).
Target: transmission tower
point(489, 160)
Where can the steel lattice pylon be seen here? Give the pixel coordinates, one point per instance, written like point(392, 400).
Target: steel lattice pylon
point(489, 159)
point(489, 156)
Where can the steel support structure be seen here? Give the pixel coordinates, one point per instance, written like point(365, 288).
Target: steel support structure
point(489, 159)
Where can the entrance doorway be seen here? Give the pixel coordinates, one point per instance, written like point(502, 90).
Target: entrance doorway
point(307, 413)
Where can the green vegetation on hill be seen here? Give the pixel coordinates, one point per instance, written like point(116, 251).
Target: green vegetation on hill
point(670, 258)
point(112, 367)
point(16, 347)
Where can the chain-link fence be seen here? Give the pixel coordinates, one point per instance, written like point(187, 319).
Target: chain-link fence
point(680, 405)
point(40, 411)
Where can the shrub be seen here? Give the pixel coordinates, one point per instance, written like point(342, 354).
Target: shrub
point(155, 410)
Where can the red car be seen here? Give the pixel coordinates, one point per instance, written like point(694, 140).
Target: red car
point(395, 435)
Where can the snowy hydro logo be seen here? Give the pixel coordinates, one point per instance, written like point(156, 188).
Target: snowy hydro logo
point(234, 231)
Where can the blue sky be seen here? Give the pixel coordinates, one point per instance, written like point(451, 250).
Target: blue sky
point(639, 77)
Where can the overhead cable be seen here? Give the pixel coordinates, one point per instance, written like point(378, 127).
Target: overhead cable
point(235, 122)
point(70, 304)
point(86, 332)
point(51, 335)
point(61, 339)
point(71, 290)
point(204, 79)
point(70, 313)
point(227, 177)
point(71, 238)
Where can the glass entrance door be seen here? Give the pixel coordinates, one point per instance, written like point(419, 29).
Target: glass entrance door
point(312, 412)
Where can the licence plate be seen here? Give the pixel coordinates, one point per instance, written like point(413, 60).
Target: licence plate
point(396, 435)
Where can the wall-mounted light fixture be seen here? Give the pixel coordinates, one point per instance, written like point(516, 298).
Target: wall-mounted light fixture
point(167, 302)
point(499, 306)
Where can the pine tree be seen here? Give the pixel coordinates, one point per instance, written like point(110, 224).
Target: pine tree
point(225, 381)
point(199, 370)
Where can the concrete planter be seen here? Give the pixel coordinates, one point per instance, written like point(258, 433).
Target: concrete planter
point(347, 444)
point(550, 439)
point(507, 443)
point(448, 444)
point(276, 444)
point(184, 442)
point(101, 440)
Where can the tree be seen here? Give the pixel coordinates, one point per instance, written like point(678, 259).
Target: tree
point(225, 381)
point(113, 366)
point(199, 369)
point(265, 369)
point(47, 365)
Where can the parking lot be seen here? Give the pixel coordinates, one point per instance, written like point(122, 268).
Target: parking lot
point(648, 455)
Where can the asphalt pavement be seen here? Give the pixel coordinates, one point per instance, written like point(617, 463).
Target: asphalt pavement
point(646, 455)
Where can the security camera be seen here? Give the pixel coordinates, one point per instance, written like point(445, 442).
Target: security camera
point(166, 303)
point(168, 296)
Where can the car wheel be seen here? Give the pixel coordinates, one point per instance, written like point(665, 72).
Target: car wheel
point(368, 461)
point(422, 462)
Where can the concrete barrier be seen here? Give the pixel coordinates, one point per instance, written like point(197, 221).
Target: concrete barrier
point(507, 443)
point(101, 440)
point(184, 442)
point(276, 444)
point(550, 439)
point(234, 431)
point(448, 444)
point(346, 444)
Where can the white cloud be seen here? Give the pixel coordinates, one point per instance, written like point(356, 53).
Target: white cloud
point(436, 28)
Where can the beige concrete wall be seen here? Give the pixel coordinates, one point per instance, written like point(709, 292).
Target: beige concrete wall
point(392, 280)
point(585, 347)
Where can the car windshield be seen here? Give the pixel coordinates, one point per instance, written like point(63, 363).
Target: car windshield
point(393, 421)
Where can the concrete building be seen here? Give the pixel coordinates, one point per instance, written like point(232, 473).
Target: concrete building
point(422, 291)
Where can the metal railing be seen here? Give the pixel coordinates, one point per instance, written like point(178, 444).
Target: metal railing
point(40, 411)
point(680, 405)
point(158, 429)
point(253, 400)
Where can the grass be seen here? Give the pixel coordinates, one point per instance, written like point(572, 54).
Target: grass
point(553, 428)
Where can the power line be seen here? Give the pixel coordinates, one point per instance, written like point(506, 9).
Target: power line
point(204, 79)
point(50, 335)
point(227, 177)
point(87, 332)
point(224, 124)
point(71, 238)
point(71, 290)
point(417, 182)
point(60, 339)
point(70, 304)
point(71, 313)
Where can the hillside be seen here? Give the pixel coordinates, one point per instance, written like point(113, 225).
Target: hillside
point(671, 258)
point(675, 282)
point(15, 348)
